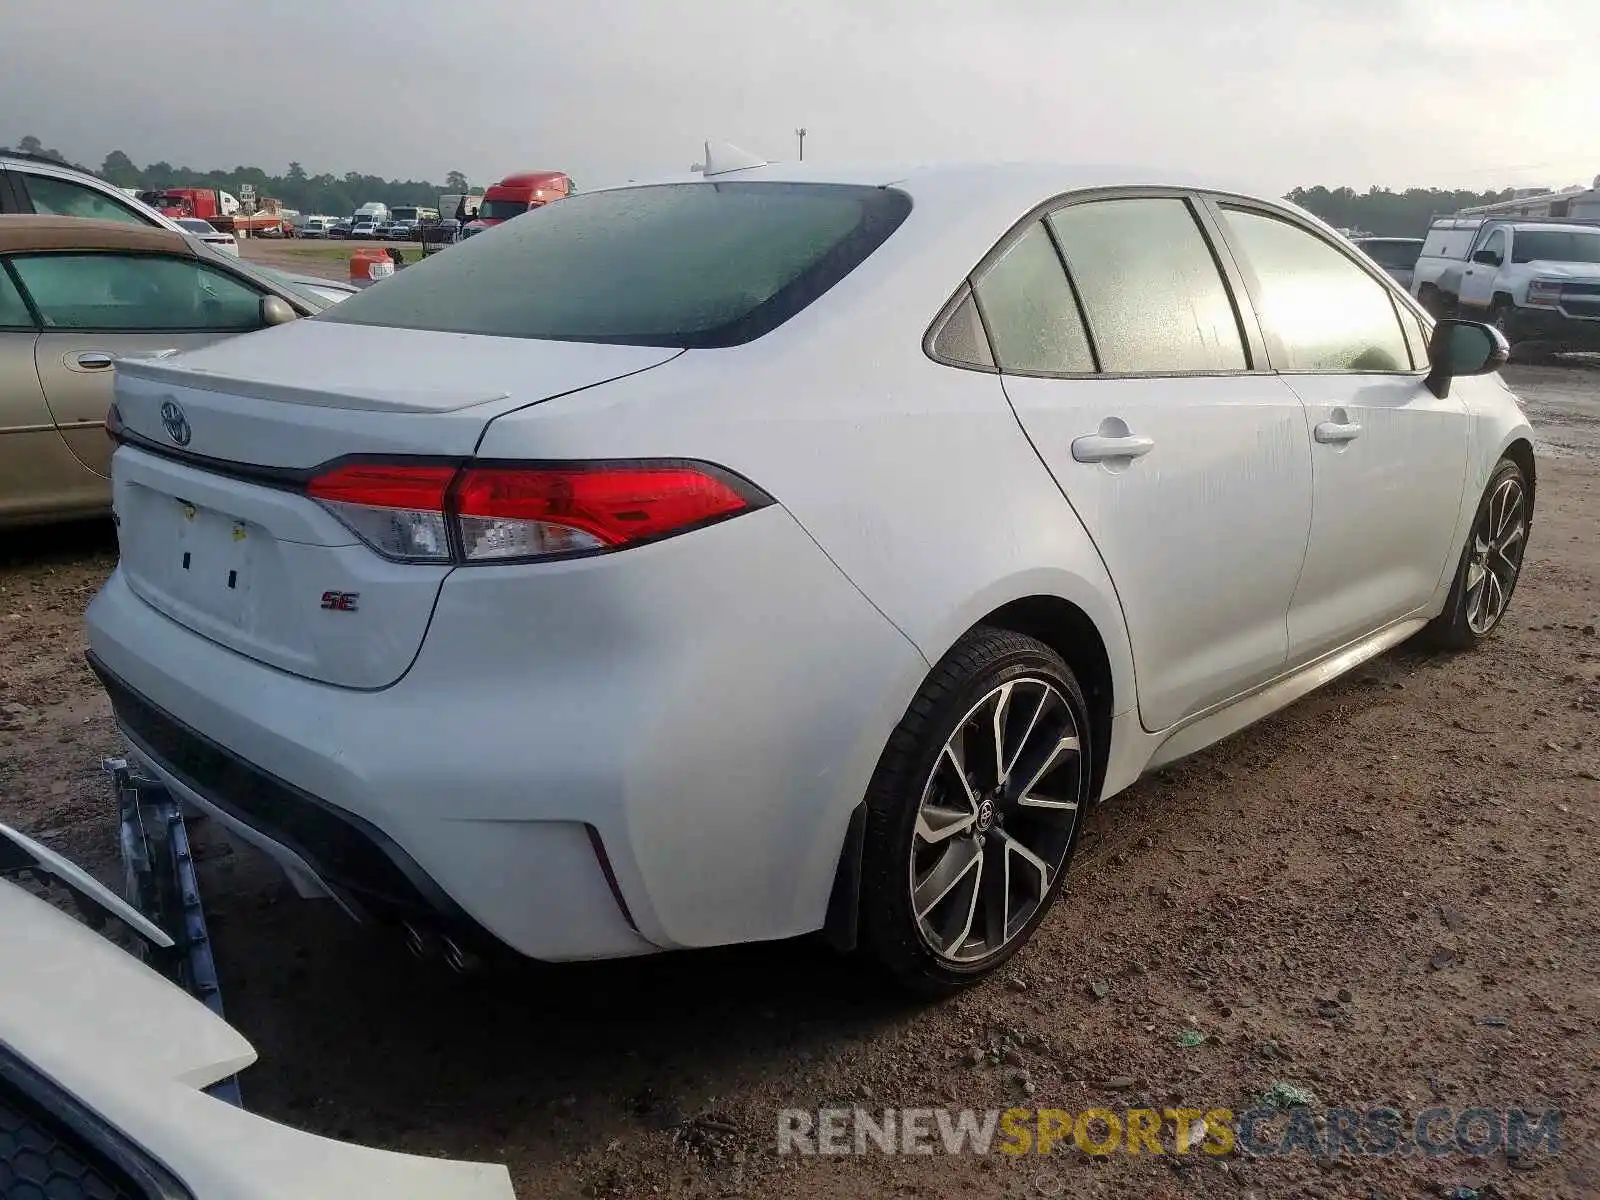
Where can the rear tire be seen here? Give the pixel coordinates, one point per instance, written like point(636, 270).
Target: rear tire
point(973, 812)
point(1491, 563)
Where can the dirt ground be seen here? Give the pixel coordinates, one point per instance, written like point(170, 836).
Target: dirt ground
point(1384, 895)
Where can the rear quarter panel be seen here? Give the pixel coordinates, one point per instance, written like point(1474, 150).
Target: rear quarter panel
point(915, 478)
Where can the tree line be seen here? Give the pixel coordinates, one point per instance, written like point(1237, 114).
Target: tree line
point(1377, 210)
point(336, 195)
point(1386, 213)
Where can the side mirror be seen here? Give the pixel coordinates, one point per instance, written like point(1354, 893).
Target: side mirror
point(1463, 348)
point(1488, 258)
point(275, 310)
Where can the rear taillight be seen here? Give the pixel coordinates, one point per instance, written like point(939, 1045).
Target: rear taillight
point(397, 509)
point(516, 512)
point(478, 513)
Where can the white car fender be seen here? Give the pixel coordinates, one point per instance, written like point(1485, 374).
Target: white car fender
point(1493, 428)
point(225, 1153)
point(135, 1050)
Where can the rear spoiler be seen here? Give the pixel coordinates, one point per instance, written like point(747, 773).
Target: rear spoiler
point(159, 369)
point(20, 853)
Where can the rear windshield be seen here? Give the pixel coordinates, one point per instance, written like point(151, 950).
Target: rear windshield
point(1554, 245)
point(1400, 254)
point(691, 265)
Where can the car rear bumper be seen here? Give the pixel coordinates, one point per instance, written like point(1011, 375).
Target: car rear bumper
point(350, 856)
point(1552, 325)
point(595, 758)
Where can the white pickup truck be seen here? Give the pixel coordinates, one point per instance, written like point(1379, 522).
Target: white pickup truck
point(1537, 281)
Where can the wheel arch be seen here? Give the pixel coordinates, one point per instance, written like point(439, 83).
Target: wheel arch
point(1067, 629)
point(1520, 451)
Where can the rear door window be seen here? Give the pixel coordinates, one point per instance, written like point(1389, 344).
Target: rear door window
point(1151, 289)
point(961, 338)
point(1326, 312)
point(65, 198)
point(1028, 306)
point(689, 265)
point(123, 292)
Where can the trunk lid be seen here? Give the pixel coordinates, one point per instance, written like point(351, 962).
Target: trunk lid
point(213, 530)
point(303, 393)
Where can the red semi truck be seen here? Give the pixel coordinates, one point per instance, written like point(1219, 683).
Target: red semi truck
point(205, 203)
point(220, 209)
point(516, 194)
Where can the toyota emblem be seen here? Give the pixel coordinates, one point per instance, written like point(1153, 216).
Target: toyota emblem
point(175, 423)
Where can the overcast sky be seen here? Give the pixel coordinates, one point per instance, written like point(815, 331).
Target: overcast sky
point(1270, 93)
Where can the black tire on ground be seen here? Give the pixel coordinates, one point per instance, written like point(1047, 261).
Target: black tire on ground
point(984, 660)
point(1452, 629)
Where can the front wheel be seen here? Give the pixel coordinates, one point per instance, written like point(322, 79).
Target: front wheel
point(973, 812)
point(1491, 563)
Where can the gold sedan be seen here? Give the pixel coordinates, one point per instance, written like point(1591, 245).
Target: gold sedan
point(76, 295)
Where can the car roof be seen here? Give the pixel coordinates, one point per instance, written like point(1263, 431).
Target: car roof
point(993, 191)
point(1407, 240)
point(1550, 226)
point(984, 199)
point(21, 232)
point(1022, 178)
point(44, 160)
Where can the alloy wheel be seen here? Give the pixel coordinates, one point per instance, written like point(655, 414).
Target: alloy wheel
point(1498, 540)
point(996, 820)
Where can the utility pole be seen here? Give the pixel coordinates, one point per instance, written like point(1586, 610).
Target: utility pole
point(801, 134)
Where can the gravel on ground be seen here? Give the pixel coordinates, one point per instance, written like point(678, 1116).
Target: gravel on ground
point(1384, 895)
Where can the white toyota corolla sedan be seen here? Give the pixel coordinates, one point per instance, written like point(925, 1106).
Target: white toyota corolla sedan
point(776, 551)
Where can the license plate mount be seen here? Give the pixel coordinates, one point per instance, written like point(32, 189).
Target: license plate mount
point(210, 561)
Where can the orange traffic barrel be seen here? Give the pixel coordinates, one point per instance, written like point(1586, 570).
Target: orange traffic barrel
point(370, 265)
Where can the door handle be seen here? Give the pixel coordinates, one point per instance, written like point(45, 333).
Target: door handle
point(1333, 433)
point(93, 360)
point(1097, 448)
